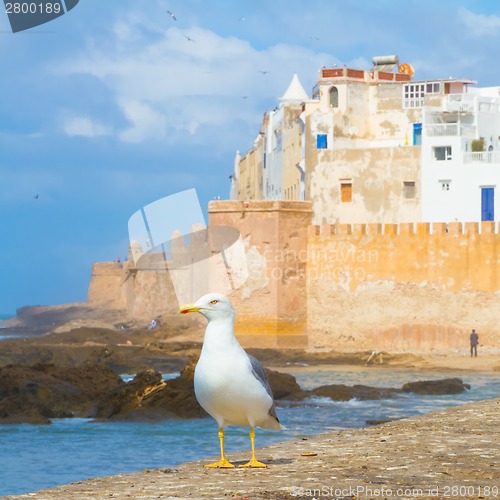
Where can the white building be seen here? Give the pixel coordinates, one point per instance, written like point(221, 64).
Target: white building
point(377, 146)
point(458, 183)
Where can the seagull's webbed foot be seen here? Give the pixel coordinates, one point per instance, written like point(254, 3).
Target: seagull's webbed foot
point(221, 464)
point(254, 464)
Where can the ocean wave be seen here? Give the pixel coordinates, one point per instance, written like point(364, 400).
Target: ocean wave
point(128, 377)
point(320, 401)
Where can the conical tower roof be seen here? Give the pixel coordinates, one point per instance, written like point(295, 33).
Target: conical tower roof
point(295, 91)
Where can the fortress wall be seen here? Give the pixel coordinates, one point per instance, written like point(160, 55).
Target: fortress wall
point(390, 287)
point(403, 287)
point(451, 256)
point(105, 285)
point(272, 305)
point(143, 293)
point(150, 294)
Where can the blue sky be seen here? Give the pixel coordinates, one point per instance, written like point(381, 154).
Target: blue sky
point(111, 107)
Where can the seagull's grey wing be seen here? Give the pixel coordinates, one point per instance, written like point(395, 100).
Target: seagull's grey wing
point(260, 375)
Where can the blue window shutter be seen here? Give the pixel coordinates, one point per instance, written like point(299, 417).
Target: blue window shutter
point(321, 141)
point(487, 204)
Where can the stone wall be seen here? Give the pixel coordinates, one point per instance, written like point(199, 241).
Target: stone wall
point(403, 287)
point(452, 257)
point(272, 305)
point(105, 287)
point(142, 293)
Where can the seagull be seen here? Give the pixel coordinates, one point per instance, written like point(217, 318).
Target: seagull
point(229, 384)
point(172, 15)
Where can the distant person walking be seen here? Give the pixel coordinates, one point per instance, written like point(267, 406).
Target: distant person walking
point(474, 341)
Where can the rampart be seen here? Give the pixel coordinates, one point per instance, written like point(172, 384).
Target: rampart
point(405, 287)
point(105, 287)
point(392, 287)
point(452, 256)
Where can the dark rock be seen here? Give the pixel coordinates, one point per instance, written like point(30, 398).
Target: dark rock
point(436, 387)
point(379, 422)
point(41, 392)
point(35, 394)
point(340, 392)
point(283, 385)
point(149, 398)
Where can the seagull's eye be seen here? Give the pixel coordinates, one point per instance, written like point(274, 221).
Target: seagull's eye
point(214, 301)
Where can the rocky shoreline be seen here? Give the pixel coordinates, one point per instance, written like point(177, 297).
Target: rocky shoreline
point(450, 453)
point(70, 367)
point(36, 394)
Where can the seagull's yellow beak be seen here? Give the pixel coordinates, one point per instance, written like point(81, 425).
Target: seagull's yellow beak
point(190, 308)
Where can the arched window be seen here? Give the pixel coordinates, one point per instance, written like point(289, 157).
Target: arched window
point(334, 97)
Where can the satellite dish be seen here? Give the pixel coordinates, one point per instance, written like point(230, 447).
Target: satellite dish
point(406, 69)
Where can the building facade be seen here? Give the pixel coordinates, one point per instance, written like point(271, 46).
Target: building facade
point(379, 146)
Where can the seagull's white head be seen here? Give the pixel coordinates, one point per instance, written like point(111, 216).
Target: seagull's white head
point(212, 306)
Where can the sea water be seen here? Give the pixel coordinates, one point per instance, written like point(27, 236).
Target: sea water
point(33, 457)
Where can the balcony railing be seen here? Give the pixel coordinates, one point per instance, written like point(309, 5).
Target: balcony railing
point(460, 102)
point(447, 129)
point(482, 157)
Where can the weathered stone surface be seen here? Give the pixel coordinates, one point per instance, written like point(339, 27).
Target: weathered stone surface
point(149, 398)
point(284, 385)
point(41, 392)
point(340, 392)
point(450, 453)
point(436, 387)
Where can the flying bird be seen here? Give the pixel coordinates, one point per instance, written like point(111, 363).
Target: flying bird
point(36, 197)
point(264, 72)
point(172, 15)
point(229, 384)
point(189, 39)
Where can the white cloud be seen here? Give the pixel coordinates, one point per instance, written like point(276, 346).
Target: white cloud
point(168, 87)
point(84, 126)
point(479, 25)
point(146, 123)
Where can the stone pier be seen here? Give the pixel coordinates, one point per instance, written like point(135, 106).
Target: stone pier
point(452, 453)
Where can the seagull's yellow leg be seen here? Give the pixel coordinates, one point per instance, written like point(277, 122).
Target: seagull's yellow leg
point(223, 462)
point(253, 461)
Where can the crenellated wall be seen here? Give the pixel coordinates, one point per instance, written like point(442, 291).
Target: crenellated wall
point(452, 256)
point(394, 287)
point(403, 287)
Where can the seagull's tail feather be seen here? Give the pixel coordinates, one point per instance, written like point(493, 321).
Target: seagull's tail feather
point(272, 424)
